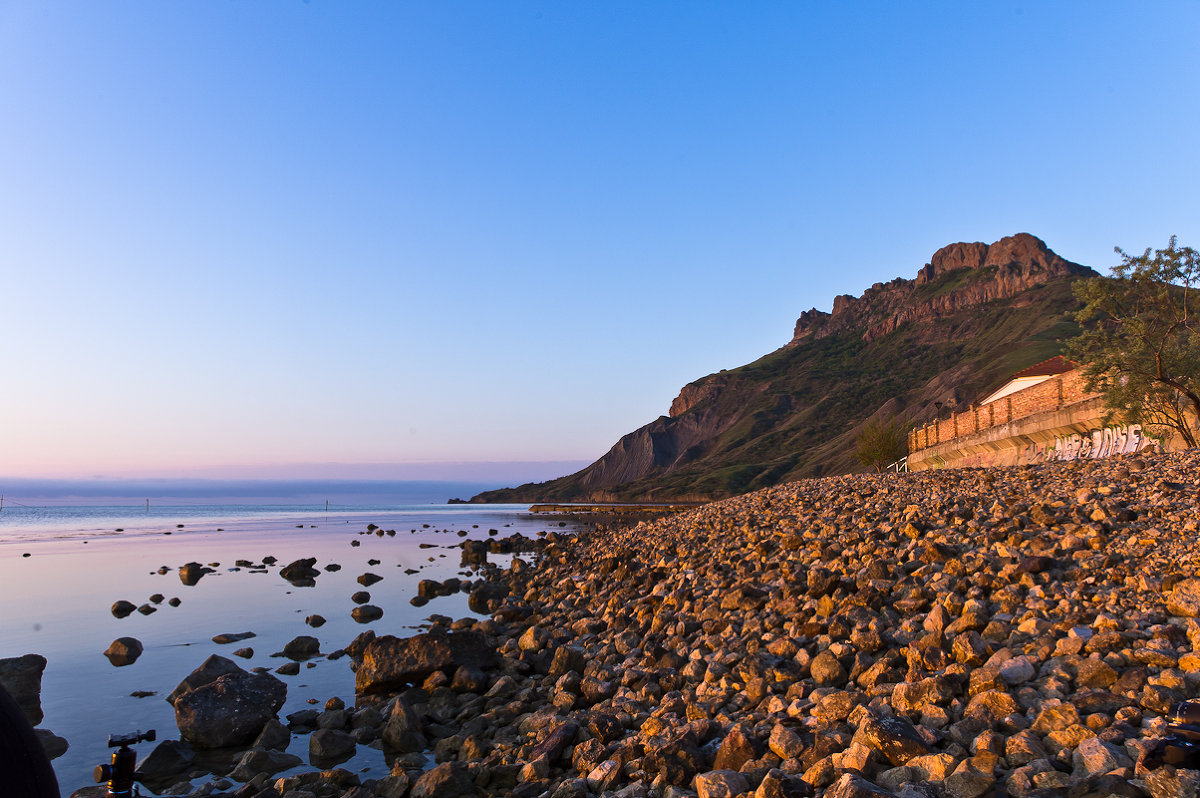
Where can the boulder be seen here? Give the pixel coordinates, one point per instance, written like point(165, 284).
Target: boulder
point(51, 743)
point(301, 573)
point(191, 573)
point(390, 663)
point(302, 647)
point(474, 551)
point(274, 735)
point(123, 608)
point(232, 637)
point(486, 596)
point(402, 731)
point(366, 613)
point(124, 651)
point(447, 780)
point(22, 678)
point(169, 758)
point(262, 760)
point(231, 710)
point(368, 579)
point(212, 668)
point(326, 746)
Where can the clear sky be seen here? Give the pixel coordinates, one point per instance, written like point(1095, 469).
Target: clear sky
point(265, 235)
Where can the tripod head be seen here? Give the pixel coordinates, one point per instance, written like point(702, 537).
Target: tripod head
point(120, 775)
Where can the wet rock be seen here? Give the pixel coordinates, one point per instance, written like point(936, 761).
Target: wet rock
point(302, 647)
point(486, 596)
point(22, 678)
point(366, 613)
point(274, 735)
point(168, 759)
point(123, 608)
point(315, 621)
point(263, 761)
point(402, 731)
point(232, 637)
point(301, 573)
point(474, 552)
point(191, 573)
point(330, 744)
point(368, 579)
point(230, 710)
point(124, 651)
point(212, 668)
point(53, 745)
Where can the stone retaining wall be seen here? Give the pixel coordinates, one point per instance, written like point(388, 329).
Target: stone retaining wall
point(1054, 394)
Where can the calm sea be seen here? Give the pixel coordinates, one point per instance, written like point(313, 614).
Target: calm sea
point(34, 509)
point(63, 563)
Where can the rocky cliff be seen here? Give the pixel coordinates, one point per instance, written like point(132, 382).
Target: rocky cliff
point(973, 315)
point(957, 276)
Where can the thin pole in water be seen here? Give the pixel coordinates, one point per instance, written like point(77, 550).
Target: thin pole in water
point(147, 506)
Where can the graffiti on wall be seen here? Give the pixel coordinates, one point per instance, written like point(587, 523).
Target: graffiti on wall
point(1098, 443)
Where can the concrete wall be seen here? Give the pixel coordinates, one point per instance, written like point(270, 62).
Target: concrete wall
point(1054, 420)
point(1055, 393)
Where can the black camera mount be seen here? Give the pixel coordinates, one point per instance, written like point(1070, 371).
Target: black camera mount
point(121, 774)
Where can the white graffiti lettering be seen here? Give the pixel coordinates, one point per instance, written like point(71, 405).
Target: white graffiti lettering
point(1094, 444)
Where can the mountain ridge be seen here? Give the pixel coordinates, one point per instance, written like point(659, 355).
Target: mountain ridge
point(974, 313)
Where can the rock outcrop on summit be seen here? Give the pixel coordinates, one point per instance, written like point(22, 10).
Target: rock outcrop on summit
point(973, 315)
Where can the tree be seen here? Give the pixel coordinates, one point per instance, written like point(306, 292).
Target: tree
point(881, 443)
point(1140, 346)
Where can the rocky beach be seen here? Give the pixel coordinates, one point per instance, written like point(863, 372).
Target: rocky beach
point(1018, 631)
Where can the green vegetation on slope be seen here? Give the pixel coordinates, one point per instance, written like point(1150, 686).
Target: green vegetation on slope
point(796, 412)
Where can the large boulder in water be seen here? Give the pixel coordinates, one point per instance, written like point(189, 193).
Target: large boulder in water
point(209, 671)
point(191, 573)
point(231, 710)
point(390, 664)
point(301, 573)
point(124, 651)
point(22, 678)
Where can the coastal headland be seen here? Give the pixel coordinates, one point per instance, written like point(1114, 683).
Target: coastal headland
point(1019, 631)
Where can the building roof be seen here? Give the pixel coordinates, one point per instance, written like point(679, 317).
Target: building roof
point(1047, 368)
point(1034, 375)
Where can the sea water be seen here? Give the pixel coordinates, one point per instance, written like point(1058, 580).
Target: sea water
point(56, 601)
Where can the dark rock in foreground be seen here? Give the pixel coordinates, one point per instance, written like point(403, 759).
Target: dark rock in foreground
point(22, 678)
point(232, 710)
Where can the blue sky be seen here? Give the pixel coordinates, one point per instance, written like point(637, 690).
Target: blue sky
point(266, 235)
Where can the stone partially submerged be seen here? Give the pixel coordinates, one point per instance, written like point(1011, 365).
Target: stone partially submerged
point(390, 663)
point(230, 708)
point(22, 678)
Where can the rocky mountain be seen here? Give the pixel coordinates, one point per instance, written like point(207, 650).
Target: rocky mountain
point(973, 315)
